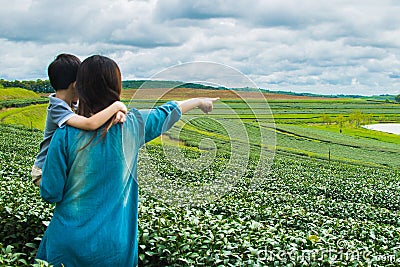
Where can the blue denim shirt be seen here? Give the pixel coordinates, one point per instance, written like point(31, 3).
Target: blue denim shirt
point(95, 221)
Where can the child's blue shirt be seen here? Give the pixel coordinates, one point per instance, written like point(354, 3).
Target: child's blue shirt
point(58, 113)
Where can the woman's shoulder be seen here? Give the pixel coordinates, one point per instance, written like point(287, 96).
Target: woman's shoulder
point(134, 115)
point(134, 119)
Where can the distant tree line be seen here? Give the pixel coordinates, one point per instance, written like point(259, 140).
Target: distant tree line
point(44, 86)
point(39, 86)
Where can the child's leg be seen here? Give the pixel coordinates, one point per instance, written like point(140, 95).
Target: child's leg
point(36, 174)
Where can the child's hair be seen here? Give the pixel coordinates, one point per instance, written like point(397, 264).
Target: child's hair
point(62, 71)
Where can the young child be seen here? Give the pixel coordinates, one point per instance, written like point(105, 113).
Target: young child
point(62, 75)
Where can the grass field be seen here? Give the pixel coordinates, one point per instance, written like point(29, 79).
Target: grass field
point(31, 116)
point(330, 197)
point(16, 93)
point(304, 125)
point(183, 93)
point(18, 97)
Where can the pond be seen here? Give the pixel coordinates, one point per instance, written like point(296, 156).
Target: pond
point(393, 128)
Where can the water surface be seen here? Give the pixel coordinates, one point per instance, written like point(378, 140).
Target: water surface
point(393, 128)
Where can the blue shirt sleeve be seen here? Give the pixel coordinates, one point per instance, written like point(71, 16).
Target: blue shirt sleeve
point(160, 119)
point(60, 113)
point(54, 173)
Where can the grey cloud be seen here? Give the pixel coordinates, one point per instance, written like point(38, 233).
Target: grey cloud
point(147, 35)
point(88, 22)
point(197, 9)
point(394, 75)
point(310, 45)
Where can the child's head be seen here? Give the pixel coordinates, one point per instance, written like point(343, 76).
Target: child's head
point(62, 71)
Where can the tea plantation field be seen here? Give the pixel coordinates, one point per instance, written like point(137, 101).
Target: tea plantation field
point(331, 196)
point(303, 212)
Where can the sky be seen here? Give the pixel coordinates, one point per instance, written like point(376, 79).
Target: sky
point(315, 46)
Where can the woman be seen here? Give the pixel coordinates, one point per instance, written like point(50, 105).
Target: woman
point(92, 177)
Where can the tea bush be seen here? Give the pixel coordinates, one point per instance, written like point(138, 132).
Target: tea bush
point(304, 212)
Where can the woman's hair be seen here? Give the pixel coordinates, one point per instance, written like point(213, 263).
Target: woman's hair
point(98, 84)
point(62, 71)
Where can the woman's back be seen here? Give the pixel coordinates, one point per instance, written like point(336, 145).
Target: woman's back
point(96, 190)
point(97, 196)
point(95, 187)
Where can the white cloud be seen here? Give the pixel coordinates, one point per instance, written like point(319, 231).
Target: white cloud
point(323, 47)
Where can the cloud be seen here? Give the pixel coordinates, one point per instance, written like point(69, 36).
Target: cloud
point(145, 35)
point(315, 46)
point(197, 9)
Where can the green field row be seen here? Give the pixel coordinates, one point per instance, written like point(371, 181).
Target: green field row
point(292, 213)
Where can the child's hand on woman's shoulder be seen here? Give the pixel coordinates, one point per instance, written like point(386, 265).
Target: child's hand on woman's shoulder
point(120, 117)
point(120, 106)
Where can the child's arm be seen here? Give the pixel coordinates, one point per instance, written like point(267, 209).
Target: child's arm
point(98, 119)
point(205, 104)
